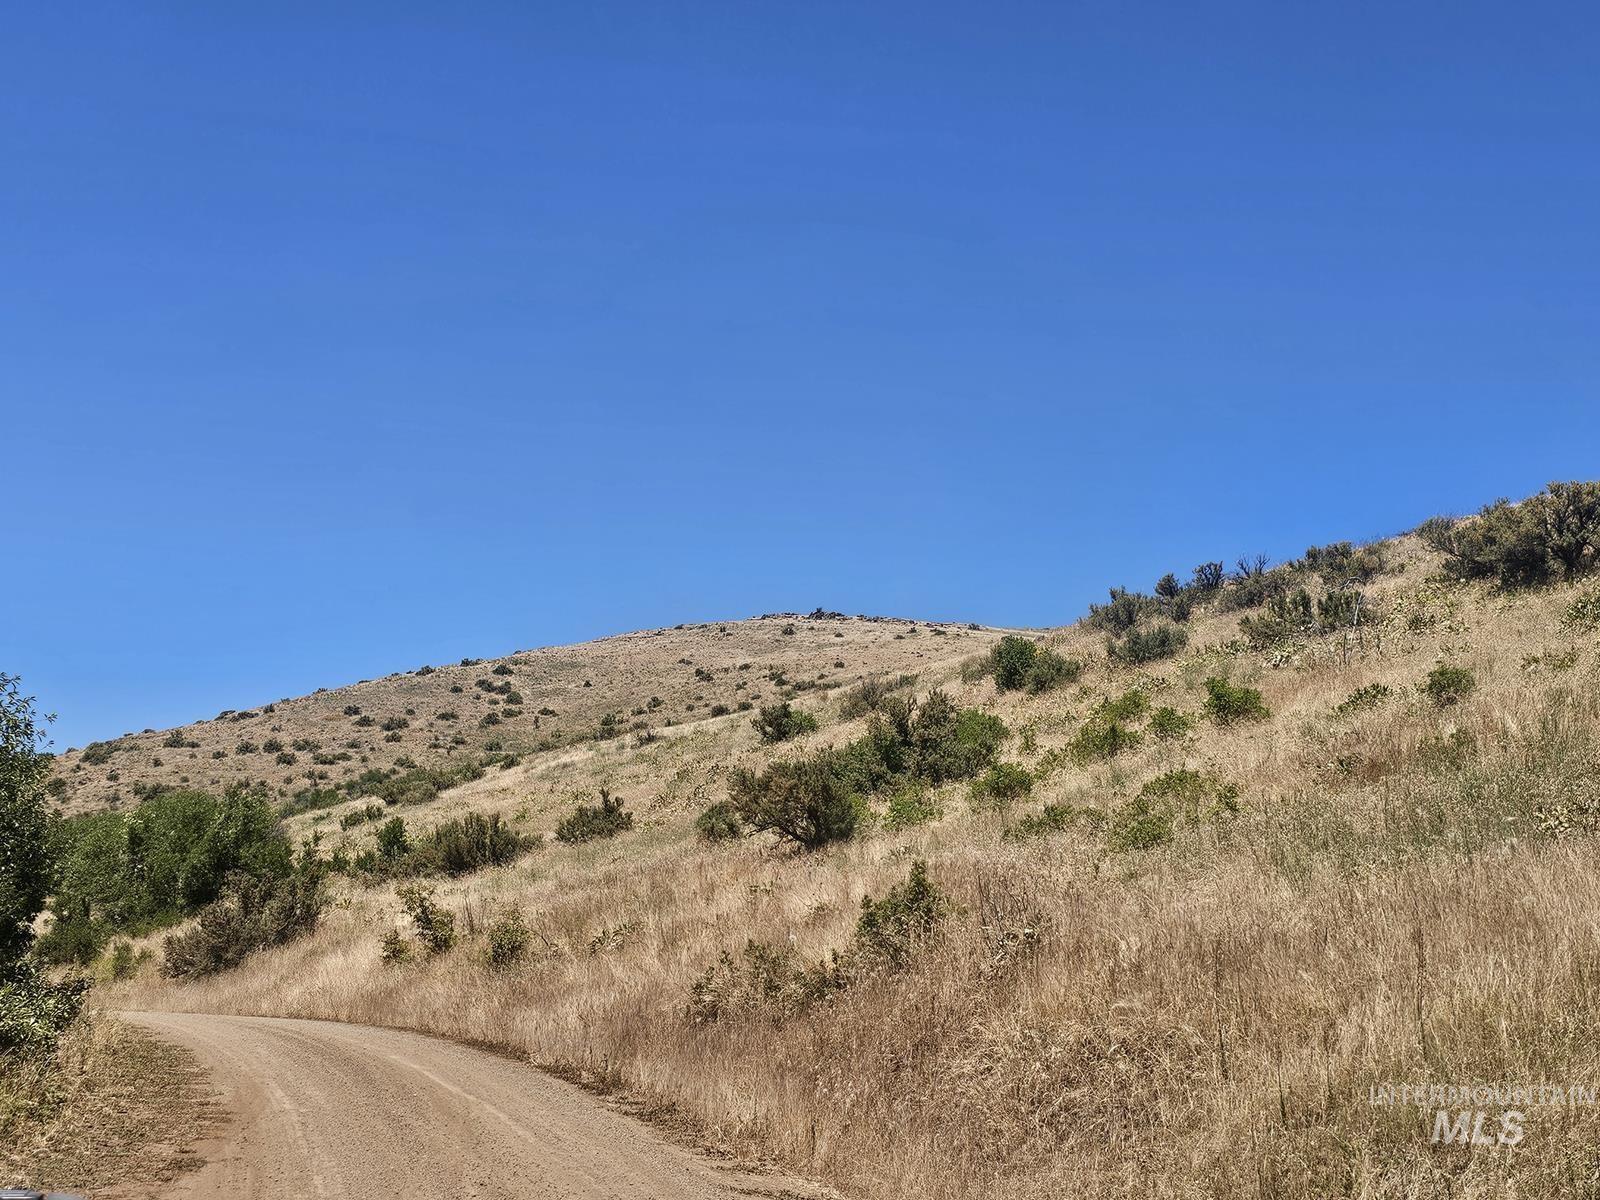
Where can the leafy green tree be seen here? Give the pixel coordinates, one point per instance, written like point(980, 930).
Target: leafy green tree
point(167, 859)
point(33, 1010)
point(27, 859)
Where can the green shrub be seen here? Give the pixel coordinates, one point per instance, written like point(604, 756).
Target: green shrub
point(1122, 613)
point(475, 841)
point(1102, 739)
point(869, 695)
point(781, 722)
point(171, 856)
point(950, 743)
point(1286, 615)
point(1192, 794)
point(1002, 784)
point(889, 930)
point(1207, 577)
point(763, 980)
point(28, 834)
point(417, 785)
point(34, 1012)
point(1147, 645)
point(1339, 610)
point(1252, 585)
point(1230, 704)
point(1140, 824)
point(393, 947)
point(1050, 670)
point(124, 961)
point(1053, 818)
point(394, 843)
point(252, 915)
point(910, 806)
point(1584, 612)
point(97, 754)
point(720, 822)
point(1549, 537)
point(1151, 817)
point(1341, 564)
point(1168, 724)
point(1129, 706)
point(804, 801)
point(1010, 660)
point(508, 940)
point(1363, 698)
point(587, 822)
point(360, 816)
point(435, 925)
point(818, 799)
point(1447, 685)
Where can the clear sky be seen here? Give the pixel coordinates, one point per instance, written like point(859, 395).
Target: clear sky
point(339, 339)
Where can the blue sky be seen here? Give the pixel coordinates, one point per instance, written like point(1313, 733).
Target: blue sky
point(335, 340)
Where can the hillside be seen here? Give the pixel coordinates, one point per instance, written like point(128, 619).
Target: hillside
point(528, 703)
point(1247, 849)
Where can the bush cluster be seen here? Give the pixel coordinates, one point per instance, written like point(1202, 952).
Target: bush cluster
point(433, 924)
point(781, 722)
point(870, 694)
point(1547, 538)
point(1052, 818)
point(1017, 662)
point(1002, 784)
point(1184, 795)
point(587, 822)
point(508, 940)
point(1447, 684)
point(1168, 724)
point(169, 858)
point(471, 843)
point(766, 982)
point(1230, 704)
point(1147, 645)
point(817, 799)
point(418, 785)
point(1363, 698)
point(1290, 614)
point(252, 914)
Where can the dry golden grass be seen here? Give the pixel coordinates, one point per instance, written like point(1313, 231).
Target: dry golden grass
point(116, 1114)
point(1407, 894)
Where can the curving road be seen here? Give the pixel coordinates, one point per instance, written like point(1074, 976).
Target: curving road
point(319, 1109)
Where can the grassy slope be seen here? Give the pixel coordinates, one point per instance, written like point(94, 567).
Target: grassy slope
point(1406, 894)
point(581, 684)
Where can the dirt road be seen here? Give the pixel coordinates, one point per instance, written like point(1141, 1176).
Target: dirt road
point(320, 1109)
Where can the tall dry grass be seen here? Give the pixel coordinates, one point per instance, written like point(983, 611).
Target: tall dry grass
point(1407, 895)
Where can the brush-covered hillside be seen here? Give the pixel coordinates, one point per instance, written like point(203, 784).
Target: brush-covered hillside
point(1144, 906)
point(311, 749)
